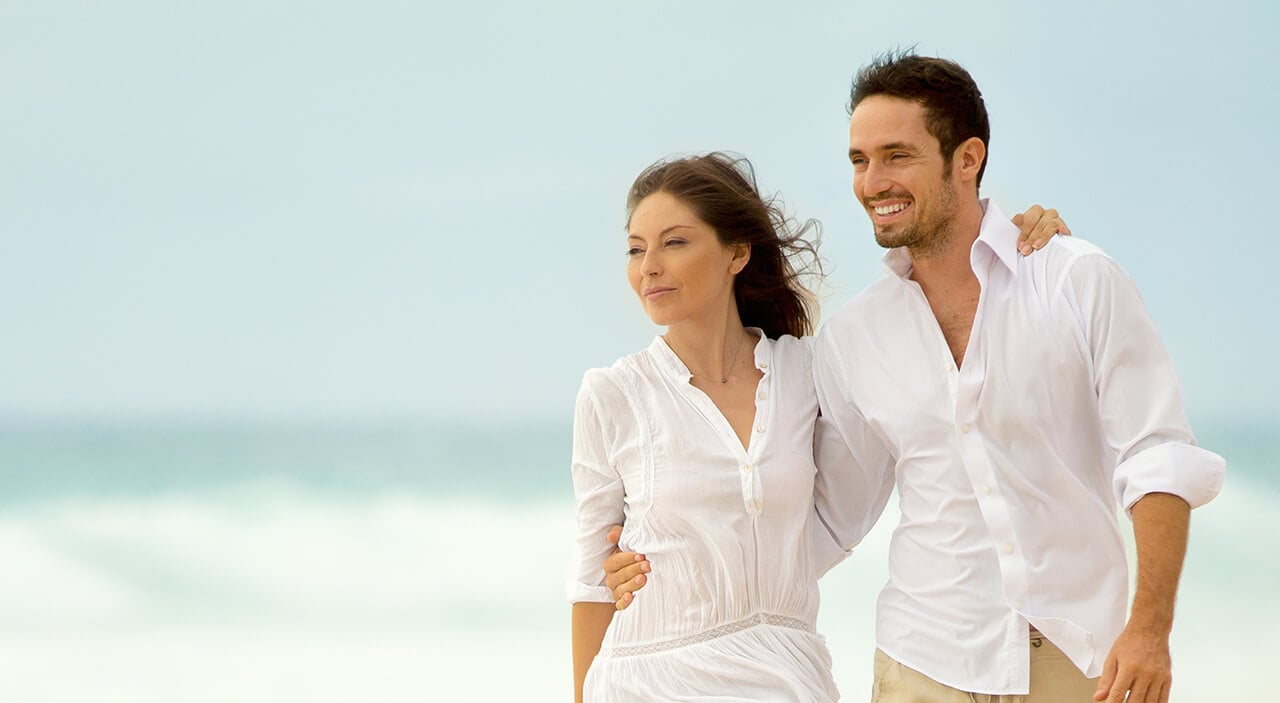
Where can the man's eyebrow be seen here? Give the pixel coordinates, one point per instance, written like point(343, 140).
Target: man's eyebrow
point(892, 146)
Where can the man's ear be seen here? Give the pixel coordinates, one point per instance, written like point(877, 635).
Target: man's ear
point(969, 157)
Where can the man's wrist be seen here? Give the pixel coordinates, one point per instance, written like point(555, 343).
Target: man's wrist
point(1155, 624)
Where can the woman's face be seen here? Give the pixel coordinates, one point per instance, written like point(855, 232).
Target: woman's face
point(677, 265)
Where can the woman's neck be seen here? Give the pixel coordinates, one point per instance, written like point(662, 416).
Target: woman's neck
point(710, 349)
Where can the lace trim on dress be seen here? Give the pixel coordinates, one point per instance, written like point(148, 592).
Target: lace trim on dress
point(713, 633)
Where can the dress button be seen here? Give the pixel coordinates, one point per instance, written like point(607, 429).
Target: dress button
point(986, 489)
point(757, 505)
point(964, 428)
point(764, 366)
point(1008, 549)
point(762, 395)
point(747, 468)
point(760, 428)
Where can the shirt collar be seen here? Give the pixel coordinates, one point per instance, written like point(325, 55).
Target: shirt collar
point(997, 235)
point(671, 364)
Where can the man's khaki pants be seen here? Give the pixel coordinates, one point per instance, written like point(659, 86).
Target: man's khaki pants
point(1054, 679)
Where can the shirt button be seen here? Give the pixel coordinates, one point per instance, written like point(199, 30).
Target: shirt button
point(757, 505)
point(762, 395)
point(986, 489)
point(747, 468)
point(760, 428)
point(964, 427)
point(1017, 606)
point(1008, 549)
point(764, 366)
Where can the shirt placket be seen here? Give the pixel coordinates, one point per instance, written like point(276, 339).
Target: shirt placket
point(752, 487)
point(993, 505)
point(749, 480)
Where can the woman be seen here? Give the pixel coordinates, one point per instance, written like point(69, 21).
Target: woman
point(702, 446)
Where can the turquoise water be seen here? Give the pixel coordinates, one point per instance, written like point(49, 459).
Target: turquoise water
point(52, 461)
point(242, 563)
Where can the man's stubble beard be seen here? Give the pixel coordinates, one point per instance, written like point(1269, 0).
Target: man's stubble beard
point(926, 237)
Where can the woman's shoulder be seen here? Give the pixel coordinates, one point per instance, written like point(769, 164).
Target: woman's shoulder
point(793, 350)
point(612, 382)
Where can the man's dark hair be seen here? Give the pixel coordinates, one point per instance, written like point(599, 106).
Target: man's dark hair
point(953, 105)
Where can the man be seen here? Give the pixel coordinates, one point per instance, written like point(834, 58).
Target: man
point(1014, 402)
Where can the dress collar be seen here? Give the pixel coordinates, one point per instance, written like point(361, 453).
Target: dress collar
point(671, 364)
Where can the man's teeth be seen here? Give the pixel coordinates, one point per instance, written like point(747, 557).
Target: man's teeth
point(890, 209)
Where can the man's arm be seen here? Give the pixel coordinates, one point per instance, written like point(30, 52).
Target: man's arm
point(855, 469)
point(1160, 476)
point(1139, 663)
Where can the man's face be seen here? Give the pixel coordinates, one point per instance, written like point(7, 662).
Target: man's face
point(899, 174)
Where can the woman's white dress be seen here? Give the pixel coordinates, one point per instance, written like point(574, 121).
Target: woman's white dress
point(728, 613)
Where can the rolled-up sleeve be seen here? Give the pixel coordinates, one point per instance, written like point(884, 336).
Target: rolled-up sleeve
point(598, 491)
point(1139, 396)
point(855, 469)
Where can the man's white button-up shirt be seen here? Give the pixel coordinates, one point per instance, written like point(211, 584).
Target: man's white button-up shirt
point(1010, 469)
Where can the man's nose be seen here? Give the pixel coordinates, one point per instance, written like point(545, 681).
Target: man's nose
point(873, 180)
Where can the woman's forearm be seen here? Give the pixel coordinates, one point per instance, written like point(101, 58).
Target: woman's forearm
point(590, 620)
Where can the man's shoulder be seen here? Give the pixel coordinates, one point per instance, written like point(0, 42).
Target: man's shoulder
point(855, 312)
point(1065, 252)
point(1066, 257)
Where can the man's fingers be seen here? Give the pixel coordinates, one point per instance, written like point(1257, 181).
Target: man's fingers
point(615, 535)
point(620, 580)
point(622, 567)
point(1124, 680)
point(1138, 690)
point(1164, 691)
point(1108, 677)
point(625, 593)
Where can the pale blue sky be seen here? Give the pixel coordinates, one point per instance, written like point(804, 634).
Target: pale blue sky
point(274, 210)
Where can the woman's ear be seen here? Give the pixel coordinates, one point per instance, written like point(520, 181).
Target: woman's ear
point(741, 255)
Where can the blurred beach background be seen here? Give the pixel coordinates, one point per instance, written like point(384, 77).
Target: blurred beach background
point(295, 301)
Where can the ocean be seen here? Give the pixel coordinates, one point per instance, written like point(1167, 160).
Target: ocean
point(207, 562)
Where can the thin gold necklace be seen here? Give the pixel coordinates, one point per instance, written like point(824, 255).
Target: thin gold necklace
point(731, 366)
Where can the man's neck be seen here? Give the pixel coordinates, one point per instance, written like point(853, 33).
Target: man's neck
point(949, 264)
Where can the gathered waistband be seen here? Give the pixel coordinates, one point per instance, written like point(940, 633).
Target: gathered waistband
point(705, 635)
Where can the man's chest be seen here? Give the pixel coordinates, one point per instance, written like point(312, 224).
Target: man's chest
point(1022, 361)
